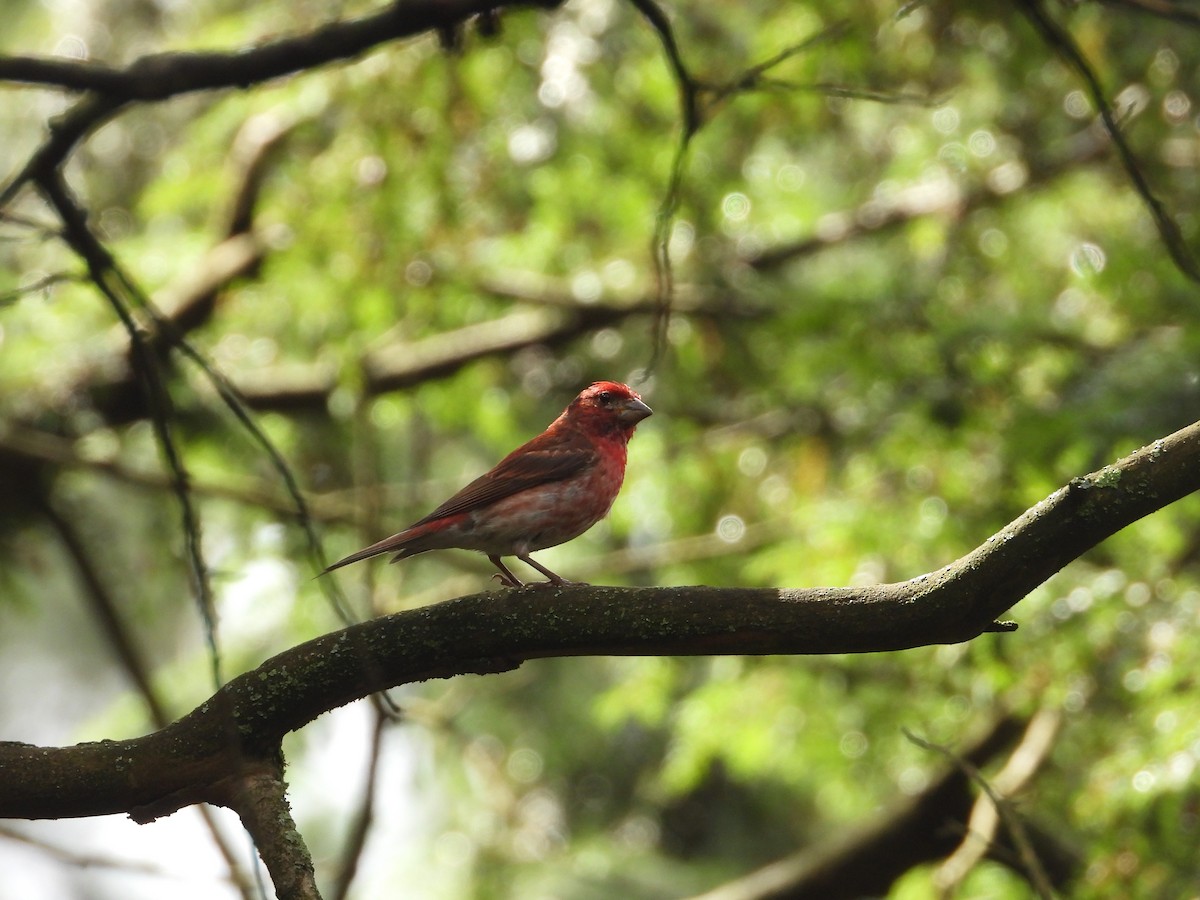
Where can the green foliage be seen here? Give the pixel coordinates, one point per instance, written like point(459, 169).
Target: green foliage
point(981, 311)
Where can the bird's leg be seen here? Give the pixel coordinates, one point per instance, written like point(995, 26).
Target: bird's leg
point(554, 579)
point(507, 578)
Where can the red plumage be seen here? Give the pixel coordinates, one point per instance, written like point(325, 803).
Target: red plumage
point(544, 493)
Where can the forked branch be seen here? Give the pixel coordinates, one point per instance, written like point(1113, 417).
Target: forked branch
point(244, 722)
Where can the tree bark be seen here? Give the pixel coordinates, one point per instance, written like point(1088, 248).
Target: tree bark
point(188, 761)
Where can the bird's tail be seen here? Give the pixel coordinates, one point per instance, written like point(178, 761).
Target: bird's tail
point(405, 543)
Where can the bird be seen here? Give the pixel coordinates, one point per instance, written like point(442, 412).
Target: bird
point(548, 491)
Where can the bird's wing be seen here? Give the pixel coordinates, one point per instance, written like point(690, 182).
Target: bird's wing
point(551, 456)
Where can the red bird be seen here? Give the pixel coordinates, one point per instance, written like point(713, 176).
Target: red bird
point(544, 493)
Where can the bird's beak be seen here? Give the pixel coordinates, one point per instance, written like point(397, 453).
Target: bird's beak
point(633, 411)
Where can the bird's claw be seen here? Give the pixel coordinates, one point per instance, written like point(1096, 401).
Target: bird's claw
point(507, 582)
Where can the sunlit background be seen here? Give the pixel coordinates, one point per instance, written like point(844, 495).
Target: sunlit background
point(914, 293)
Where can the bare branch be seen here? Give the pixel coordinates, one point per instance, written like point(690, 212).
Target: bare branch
point(258, 794)
point(1059, 40)
point(866, 861)
point(255, 147)
point(83, 860)
point(1016, 829)
point(164, 75)
point(404, 364)
point(41, 447)
point(113, 625)
point(687, 85)
point(235, 256)
point(189, 302)
point(995, 805)
point(693, 118)
point(65, 132)
point(71, 74)
point(104, 606)
point(41, 230)
point(103, 272)
point(756, 75)
point(846, 92)
point(664, 220)
point(919, 200)
point(36, 286)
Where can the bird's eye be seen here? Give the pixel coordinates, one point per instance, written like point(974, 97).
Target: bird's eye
point(605, 397)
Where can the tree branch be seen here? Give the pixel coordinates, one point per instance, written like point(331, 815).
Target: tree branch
point(104, 274)
point(995, 806)
point(259, 796)
point(866, 860)
point(406, 363)
point(1060, 41)
point(160, 76)
point(401, 365)
point(65, 132)
point(116, 631)
point(106, 610)
point(494, 631)
point(920, 200)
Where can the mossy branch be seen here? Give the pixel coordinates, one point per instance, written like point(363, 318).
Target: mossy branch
point(242, 725)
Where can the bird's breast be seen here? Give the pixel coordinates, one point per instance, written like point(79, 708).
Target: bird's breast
point(547, 514)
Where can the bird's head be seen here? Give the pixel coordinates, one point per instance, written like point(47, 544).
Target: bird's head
point(609, 405)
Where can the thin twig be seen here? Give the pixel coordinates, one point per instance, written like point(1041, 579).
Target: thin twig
point(920, 200)
point(102, 269)
point(65, 133)
point(104, 606)
point(664, 219)
point(686, 84)
point(169, 333)
point(108, 275)
point(1012, 821)
point(755, 75)
point(690, 90)
point(1059, 40)
point(43, 447)
point(164, 75)
point(100, 266)
point(72, 857)
point(664, 223)
point(866, 858)
point(1023, 763)
point(846, 92)
point(112, 624)
point(41, 229)
point(34, 287)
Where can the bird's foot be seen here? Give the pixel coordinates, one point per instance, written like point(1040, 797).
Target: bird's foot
point(506, 581)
